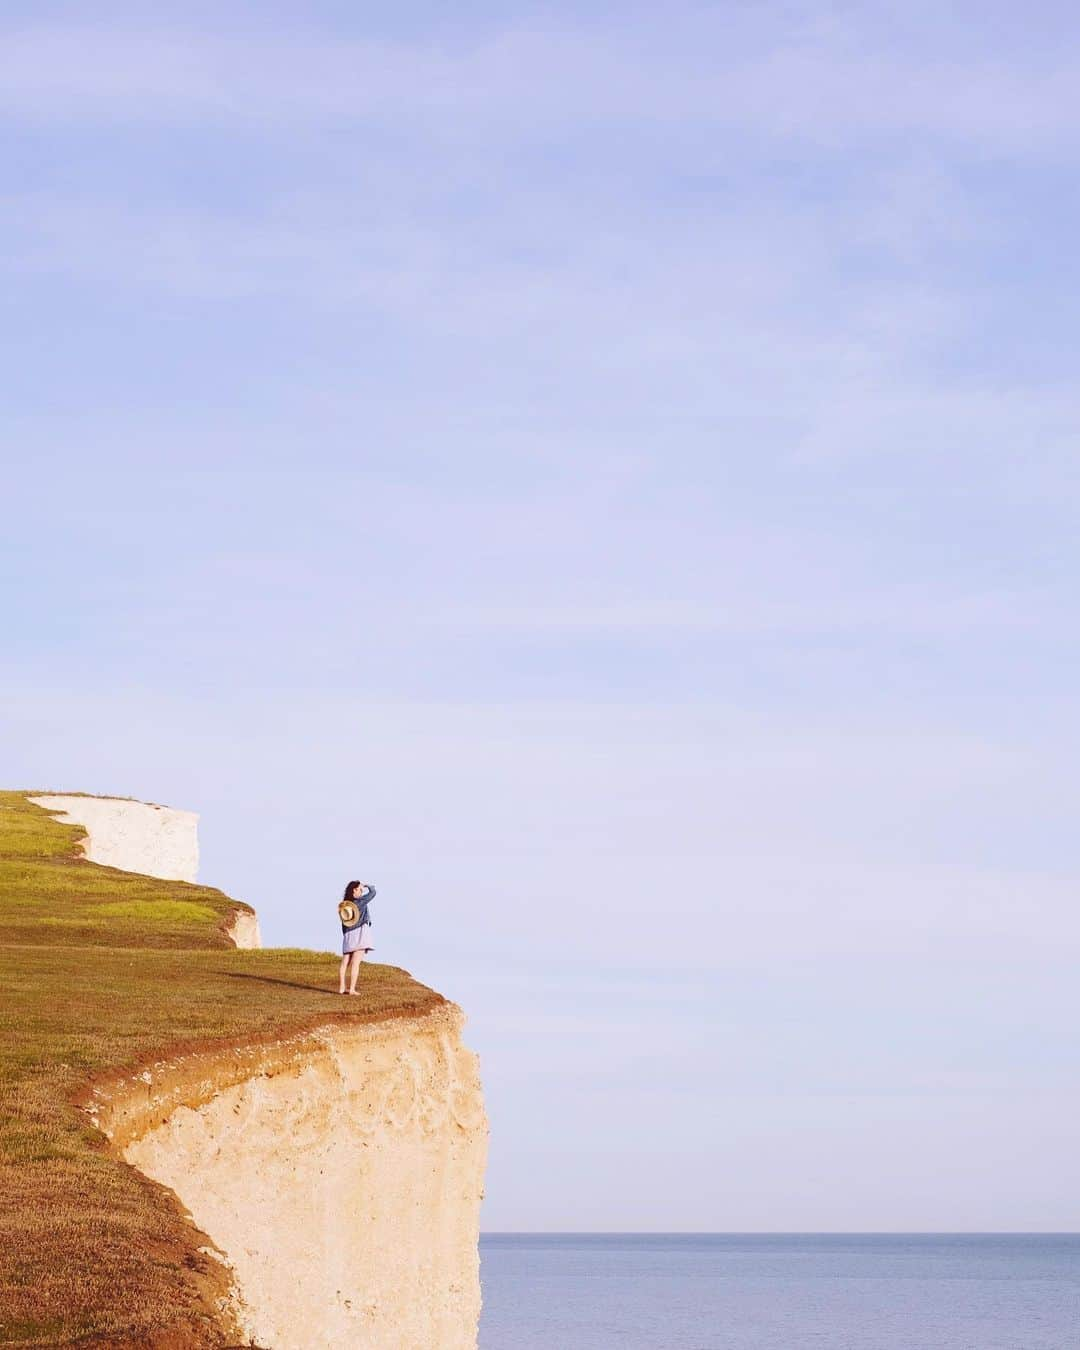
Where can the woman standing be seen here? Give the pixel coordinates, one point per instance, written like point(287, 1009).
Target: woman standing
point(356, 931)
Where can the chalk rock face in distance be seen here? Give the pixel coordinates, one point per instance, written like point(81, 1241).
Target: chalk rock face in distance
point(157, 841)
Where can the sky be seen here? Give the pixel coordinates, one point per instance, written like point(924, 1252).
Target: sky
point(606, 475)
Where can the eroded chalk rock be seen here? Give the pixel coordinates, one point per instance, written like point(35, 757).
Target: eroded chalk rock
point(339, 1172)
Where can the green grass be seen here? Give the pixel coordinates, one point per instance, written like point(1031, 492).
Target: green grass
point(102, 970)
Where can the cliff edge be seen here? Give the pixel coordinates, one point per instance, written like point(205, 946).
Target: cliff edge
point(208, 1147)
point(339, 1173)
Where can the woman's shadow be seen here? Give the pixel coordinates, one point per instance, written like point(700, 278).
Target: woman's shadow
point(270, 979)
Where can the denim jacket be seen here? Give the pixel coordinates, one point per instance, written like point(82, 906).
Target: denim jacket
point(362, 905)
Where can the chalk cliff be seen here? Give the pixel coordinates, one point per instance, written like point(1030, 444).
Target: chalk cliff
point(155, 841)
point(338, 1172)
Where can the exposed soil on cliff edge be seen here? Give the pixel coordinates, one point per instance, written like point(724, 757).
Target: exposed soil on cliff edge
point(105, 973)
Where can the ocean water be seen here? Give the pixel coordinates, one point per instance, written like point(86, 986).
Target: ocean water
point(657, 1291)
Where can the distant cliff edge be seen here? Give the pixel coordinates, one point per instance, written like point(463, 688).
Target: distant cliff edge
point(156, 841)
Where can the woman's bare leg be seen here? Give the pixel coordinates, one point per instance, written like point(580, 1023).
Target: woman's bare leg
point(342, 973)
point(357, 962)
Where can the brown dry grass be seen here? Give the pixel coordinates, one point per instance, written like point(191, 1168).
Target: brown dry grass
point(101, 971)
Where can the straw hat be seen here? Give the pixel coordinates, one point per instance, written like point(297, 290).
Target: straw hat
point(348, 912)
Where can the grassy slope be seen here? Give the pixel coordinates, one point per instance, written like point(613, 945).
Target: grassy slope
point(101, 969)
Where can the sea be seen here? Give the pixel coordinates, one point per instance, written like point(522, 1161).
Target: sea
point(723, 1291)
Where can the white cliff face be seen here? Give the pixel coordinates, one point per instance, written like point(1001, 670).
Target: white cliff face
point(157, 841)
point(340, 1174)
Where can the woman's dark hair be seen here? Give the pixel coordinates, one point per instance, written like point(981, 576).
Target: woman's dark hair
point(349, 890)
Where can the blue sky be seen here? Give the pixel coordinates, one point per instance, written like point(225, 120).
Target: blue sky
point(607, 475)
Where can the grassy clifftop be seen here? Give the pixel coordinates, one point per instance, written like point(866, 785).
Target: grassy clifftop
point(102, 970)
